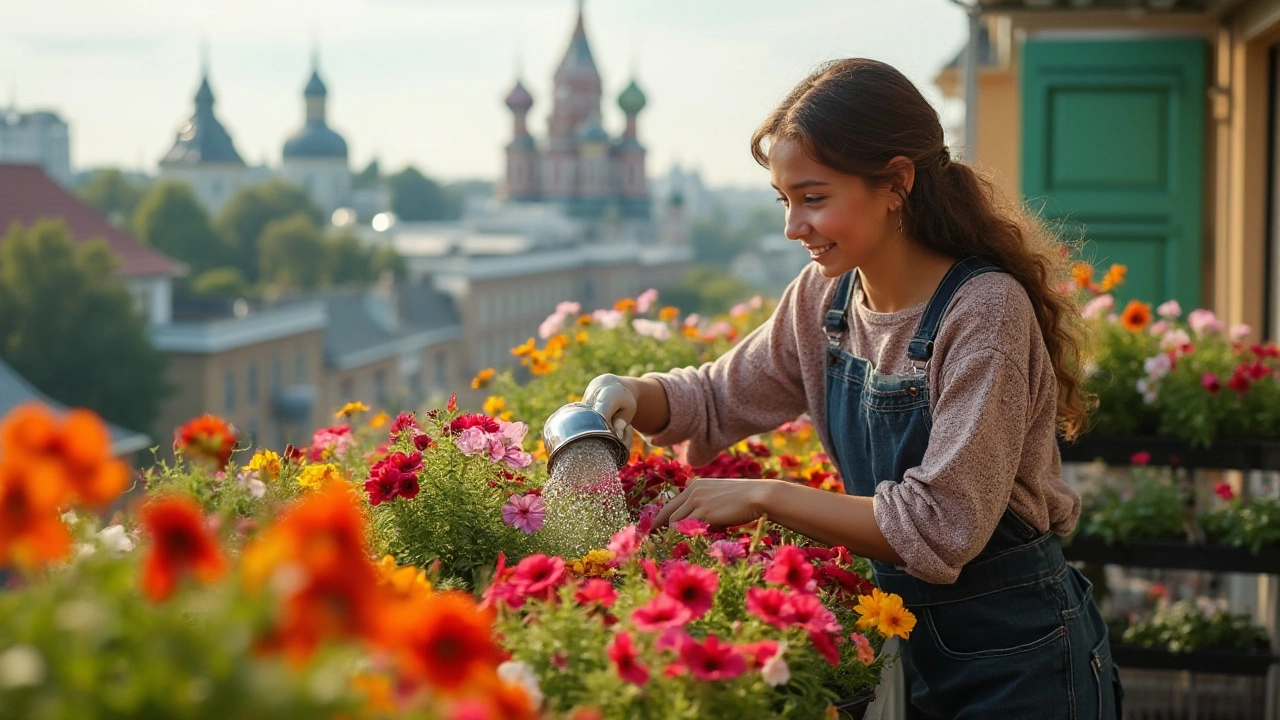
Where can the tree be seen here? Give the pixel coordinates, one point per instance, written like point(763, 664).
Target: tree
point(415, 196)
point(69, 326)
point(113, 195)
point(349, 263)
point(222, 282)
point(293, 252)
point(706, 290)
point(245, 218)
point(386, 259)
point(171, 220)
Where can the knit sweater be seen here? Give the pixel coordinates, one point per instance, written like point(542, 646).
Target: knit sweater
point(993, 403)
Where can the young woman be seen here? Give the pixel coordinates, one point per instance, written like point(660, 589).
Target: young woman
point(934, 348)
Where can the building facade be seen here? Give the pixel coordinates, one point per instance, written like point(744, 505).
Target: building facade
point(204, 156)
point(38, 138)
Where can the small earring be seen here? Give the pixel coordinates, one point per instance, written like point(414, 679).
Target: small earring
point(900, 214)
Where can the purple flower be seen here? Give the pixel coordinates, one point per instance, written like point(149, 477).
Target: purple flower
point(525, 512)
point(726, 551)
point(517, 459)
point(473, 441)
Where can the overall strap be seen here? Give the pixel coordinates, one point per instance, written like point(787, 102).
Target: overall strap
point(837, 324)
point(921, 348)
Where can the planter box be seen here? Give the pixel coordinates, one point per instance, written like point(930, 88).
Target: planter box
point(1174, 554)
point(1224, 454)
point(1221, 662)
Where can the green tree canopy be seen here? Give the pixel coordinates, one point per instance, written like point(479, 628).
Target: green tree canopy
point(171, 220)
point(386, 259)
point(222, 282)
point(706, 290)
point(415, 196)
point(114, 195)
point(68, 325)
point(348, 261)
point(293, 252)
point(245, 217)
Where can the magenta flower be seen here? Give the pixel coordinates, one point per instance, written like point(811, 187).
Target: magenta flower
point(660, 613)
point(626, 660)
point(403, 421)
point(538, 575)
point(691, 526)
point(726, 551)
point(647, 514)
point(790, 567)
point(472, 441)
point(597, 591)
point(526, 512)
point(808, 612)
point(770, 605)
point(711, 659)
point(625, 543)
point(1209, 381)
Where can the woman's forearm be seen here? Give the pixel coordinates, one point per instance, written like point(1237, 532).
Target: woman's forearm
point(652, 409)
point(834, 519)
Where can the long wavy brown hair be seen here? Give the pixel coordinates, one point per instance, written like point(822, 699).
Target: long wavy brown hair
point(857, 115)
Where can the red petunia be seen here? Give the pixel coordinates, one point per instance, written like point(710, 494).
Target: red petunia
point(207, 437)
point(712, 660)
point(770, 605)
point(597, 591)
point(790, 567)
point(180, 545)
point(693, 586)
point(622, 652)
point(463, 422)
point(538, 576)
point(660, 613)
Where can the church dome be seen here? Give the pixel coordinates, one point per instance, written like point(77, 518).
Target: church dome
point(593, 132)
point(519, 99)
point(632, 99)
point(315, 86)
point(315, 140)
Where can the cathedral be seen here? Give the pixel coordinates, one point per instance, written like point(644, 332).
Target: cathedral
point(579, 165)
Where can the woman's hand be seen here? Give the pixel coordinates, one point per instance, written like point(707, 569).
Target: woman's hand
point(609, 396)
point(718, 502)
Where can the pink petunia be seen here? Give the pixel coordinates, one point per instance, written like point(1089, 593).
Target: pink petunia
point(597, 591)
point(712, 660)
point(759, 652)
point(1142, 457)
point(1223, 490)
point(1203, 321)
point(694, 586)
point(660, 613)
point(790, 567)
point(330, 442)
point(1209, 381)
point(644, 525)
point(866, 653)
point(808, 612)
point(770, 605)
point(691, 526)
point(626, 660)
point(825, 644)
point(645, 300)
point(473, 441)
point(625, 543)
point(726, 551)
point(526, 512)
point(538, 575)
point(671, 639)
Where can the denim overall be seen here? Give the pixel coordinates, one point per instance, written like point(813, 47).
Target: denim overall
point(1018, 634)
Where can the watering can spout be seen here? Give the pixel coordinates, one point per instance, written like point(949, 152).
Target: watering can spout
point(577, 421)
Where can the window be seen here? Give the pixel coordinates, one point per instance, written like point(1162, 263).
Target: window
point(251, 385)
point(277, 373)
point(229, 391)
point(300, 368)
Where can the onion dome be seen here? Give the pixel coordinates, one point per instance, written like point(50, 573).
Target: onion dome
point(593, 132)
point(315, 140)
point(519, 99)
point(202, 138)
point(632, 99)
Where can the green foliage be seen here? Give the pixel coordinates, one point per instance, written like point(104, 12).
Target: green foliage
point(245, 218)
point(171, 220)
point(81, 642)
point(367, 178)
point(415, 196)
point(1185, 626)
point(716, 241)
point(347, 261)
point(113, 195)
point(222, 282)
point(1144, 506)
point(68, 325)
point(385, 259)
point(707, 290)
point(1244, 524)
point(1119, 359)
point(292, 252)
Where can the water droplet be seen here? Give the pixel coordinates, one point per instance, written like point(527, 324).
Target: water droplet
point(584, 499)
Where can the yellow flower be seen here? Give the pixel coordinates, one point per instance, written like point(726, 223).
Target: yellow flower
point(493, 405)
point(1082, 272)
point(540, 452)
point(596, 563)
point(379, 420)
point(352, 408)
point(267, 464)
point(895, 620)
point(556, 345)
point(525, 349)
point(506, 416)
point(668, 313)
point(868, 609)
point(541, 366)
point(573, 397)
point(314, 476)
point(584, 319)
point(1114, 277)
point(690, 332)
point(582, 337)
point(482, 378)
point(407, 581)
point(625, 305)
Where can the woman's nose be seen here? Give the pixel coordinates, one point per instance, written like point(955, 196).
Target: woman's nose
point(796, 227)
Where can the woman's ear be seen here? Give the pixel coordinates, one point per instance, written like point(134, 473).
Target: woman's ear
point(902, 176)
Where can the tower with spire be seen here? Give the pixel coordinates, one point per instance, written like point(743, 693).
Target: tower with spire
point(203, 154)
point(315, 157)
point(579, 166)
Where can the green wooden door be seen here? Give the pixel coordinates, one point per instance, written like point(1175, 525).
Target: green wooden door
point(1113, 147)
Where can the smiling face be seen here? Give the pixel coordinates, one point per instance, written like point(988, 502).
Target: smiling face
point(842, 220)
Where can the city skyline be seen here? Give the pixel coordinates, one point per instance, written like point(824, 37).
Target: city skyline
point(421, 82)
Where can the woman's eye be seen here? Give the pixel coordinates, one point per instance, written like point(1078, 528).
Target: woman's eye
point(811, 199)
point(781, 200)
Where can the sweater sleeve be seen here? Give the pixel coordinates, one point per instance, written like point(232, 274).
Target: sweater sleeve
point(753, 388)
point(943, 512)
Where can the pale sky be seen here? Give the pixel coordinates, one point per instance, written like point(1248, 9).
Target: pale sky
point(422, 81)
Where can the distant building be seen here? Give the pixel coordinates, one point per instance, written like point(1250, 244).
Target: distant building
point(27, 195)
point(315, 157)
point(579, 165)
point(204, 156)
point(38, 138)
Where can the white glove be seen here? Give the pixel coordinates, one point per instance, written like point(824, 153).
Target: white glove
point(609, 397)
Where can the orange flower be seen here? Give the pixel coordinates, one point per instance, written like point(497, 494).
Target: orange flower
point(555, 346)
point(332, 588)
point(1115, 276)
point(581, 337)
point(1136, 316)
point(180, 544)
point(542, 366)
point(207, 438)
point(406, 582)
point(668, 313)
point(895, 620)
point(446, 642)
point(31, 529)
point(525, 349)
point(72, 453)
point(690, 331)
point(625, 305)
point(482, 378)
point(1082, 273)
point(584, 319)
